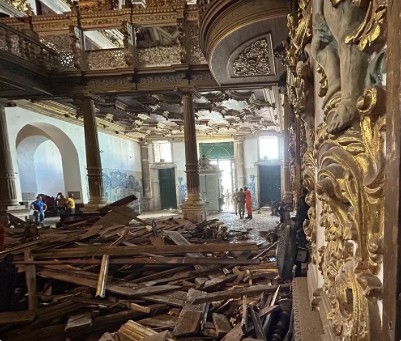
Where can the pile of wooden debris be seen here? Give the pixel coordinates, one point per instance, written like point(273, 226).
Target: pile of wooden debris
point(149, 281)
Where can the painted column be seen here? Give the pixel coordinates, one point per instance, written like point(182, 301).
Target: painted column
point(239, 162)
point(193, 208)
point(146, 183)
point(287, 192)
point(86, 107)
point(8, 193)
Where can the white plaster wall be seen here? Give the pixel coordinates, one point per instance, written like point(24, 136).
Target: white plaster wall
point(48, 169)
point(17, 118)
point(118, 154)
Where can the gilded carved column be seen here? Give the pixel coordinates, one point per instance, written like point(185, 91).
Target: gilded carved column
point(146, 183)
point(239, 162)
point(8, 193)
point(86, 106)
point(192, 208)
point(287, 191)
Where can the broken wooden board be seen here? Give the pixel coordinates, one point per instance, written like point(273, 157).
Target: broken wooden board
point(134, 331)
point(79, 321)
point(114, 288)
point(119, 251)
point(174, 299)
point(191, 315)
point(160, 321)
point(221, 324)
point(224, 295)
point(163, 336)
point(236, 334)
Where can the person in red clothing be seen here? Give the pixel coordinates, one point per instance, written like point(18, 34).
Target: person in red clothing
point(248, 202)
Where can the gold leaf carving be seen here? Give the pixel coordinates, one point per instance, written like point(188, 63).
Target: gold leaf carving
point(350, 187)
point(371, 29)
point(254, 60)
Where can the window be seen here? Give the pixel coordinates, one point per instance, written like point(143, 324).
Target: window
point(162, 151)
point(268, 148)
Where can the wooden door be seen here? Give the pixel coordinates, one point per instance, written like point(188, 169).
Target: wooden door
point(168, 197)
point(269, 184)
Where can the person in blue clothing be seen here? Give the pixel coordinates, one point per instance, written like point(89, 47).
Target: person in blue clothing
point(39, 208)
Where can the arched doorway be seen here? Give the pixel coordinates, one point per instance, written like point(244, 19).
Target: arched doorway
point(47, 161)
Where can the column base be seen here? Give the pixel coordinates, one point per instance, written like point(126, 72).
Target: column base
point(146, 204)
point(94, 205)
point(194, 209)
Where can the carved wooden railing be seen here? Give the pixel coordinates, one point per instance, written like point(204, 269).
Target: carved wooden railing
point(20, 45)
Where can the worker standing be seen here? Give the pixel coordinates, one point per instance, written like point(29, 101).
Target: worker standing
point(70, 204)
point(248, 202)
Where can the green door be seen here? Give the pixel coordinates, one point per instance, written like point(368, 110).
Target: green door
point(270, 184)
point(168, 197)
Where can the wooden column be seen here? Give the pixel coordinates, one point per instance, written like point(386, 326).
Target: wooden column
point(287, 190)
point(86, 107)
point(8, 193)
point(239, 162)
point(392, 228)
point(193, 207)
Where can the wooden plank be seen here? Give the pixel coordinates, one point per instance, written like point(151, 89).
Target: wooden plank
point(126, 291)
point(138, 307)
point(260, 334)
point(174, 299)
point(90, 251)
point(236, 334)
point(17, 316)
point(221, 324)
point(191, 315)
point(148, 260)
point(134, 331)
point(159, 337)
point(233, 293)
point(268, 310)
point(79, 321)
point(160, 321)
point(165, 273)
point(217, 281)
point(30, 277)
point(179, 239)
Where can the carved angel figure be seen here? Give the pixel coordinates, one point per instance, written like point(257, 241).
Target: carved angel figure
point(343, 63)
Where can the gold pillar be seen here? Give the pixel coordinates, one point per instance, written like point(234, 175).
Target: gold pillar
point(8, 193)
point(86, 105)
point(193, 208)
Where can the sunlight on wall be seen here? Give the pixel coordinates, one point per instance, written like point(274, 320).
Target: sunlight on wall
point(49, 169)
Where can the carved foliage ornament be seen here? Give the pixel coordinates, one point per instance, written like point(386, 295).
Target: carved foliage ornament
point(20, 5)
point(350, 186)
point(254, 60)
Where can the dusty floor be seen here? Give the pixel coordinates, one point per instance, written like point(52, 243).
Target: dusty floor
point(254, 230)
point(242, 229)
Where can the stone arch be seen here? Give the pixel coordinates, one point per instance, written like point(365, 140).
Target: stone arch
point(33, 135)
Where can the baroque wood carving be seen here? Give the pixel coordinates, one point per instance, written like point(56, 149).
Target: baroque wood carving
point(342, 42)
